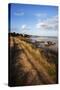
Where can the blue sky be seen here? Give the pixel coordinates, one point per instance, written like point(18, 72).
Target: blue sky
point(34, 19)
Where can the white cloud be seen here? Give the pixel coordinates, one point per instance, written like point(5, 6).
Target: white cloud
point(24, 27)
point(40, 14)
point(49, 24)
point(19, 13)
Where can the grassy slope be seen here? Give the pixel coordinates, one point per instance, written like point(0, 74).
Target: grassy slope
point(33, 65)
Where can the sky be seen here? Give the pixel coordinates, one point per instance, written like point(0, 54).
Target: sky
point(40, 20)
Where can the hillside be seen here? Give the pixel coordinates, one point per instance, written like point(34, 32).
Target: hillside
point(29, 65)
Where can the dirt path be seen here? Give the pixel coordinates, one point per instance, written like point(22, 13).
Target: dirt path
point(44, 76)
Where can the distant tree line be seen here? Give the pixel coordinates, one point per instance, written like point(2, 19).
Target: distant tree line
point(17, 34)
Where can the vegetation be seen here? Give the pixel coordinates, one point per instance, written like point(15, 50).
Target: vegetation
point(30, 65)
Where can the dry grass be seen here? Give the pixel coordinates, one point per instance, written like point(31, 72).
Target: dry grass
point(32, 66)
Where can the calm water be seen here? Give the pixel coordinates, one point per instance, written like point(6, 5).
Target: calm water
point(45, 39)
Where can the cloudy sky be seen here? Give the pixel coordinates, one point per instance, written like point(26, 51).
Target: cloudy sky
point(34, 19)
